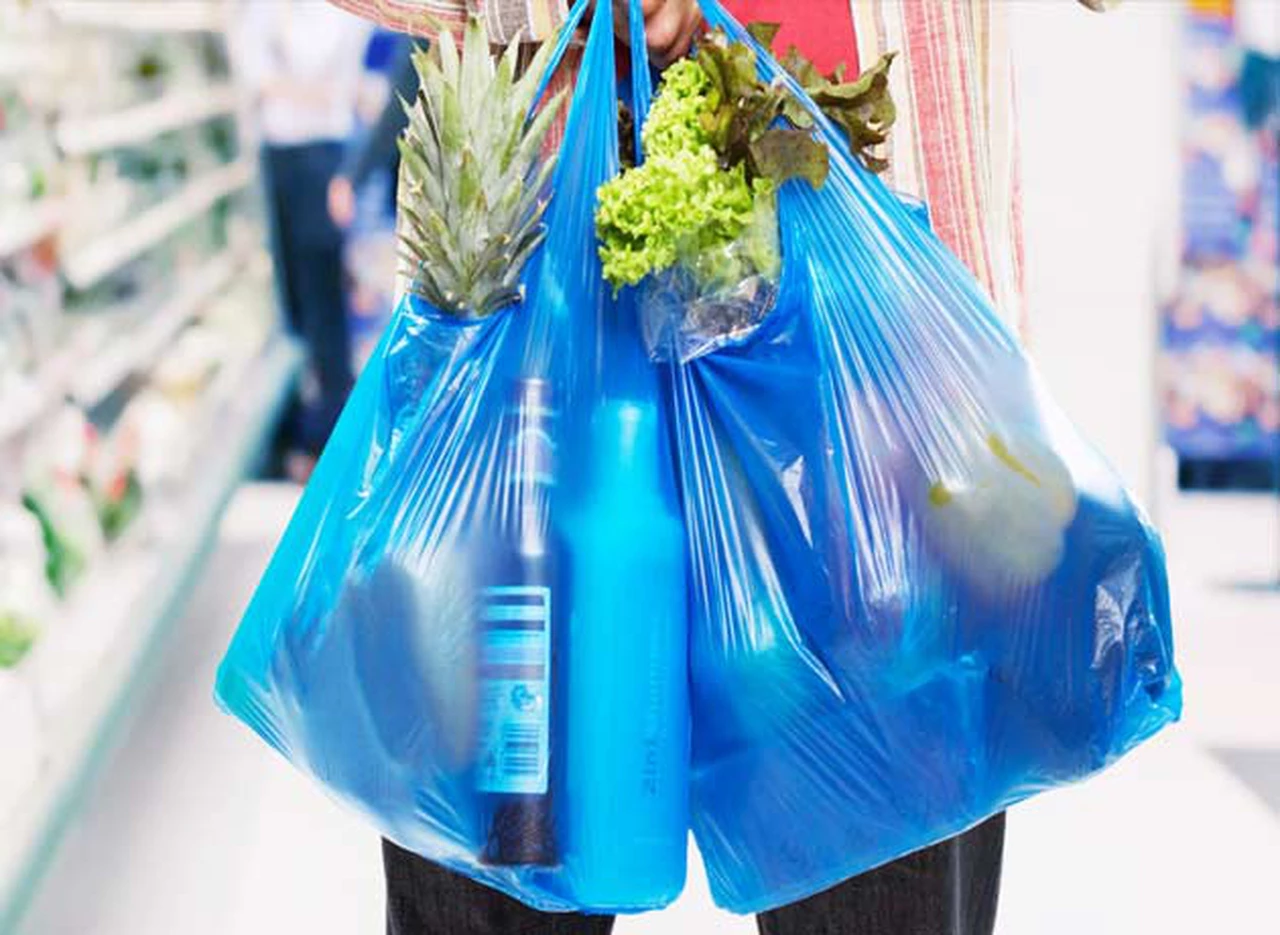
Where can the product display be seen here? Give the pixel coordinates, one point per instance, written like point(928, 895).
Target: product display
point(710, 494)
point(26, 598)
point(1220, 366)
point(134, 307)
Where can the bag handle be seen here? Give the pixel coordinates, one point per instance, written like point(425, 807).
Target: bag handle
point(568, 29)
point(567, 264)
point(641, 79)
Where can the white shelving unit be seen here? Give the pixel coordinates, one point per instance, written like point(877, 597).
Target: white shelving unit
point(50, 386)
point(24, 743)
point(85, 370)
point(143, 15)
point(137, 351)
point(18, 58)
point(63, 702)
point(95, 656)
point(89, 265)
point(78, 136)
point(38, 220)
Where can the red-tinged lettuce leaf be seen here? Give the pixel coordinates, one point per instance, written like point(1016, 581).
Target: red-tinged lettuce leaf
point(743, 113)
point(782, 155)
point(862, 108)
point(764, 33)
point(803, 70)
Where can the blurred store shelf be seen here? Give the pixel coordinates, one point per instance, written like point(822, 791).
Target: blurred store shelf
point(86, 368)
point(137, 351)
point(86, 671)
point(78, 136)
point(88, 265)
point(142, 372)
point(144, 15)
point(18, 58)
point(32, 223)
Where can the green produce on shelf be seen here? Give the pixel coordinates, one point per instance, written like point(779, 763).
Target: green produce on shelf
point(119, 504)
point(26, 600)
point(65, 562)
point(17, 636)
point(56, 493)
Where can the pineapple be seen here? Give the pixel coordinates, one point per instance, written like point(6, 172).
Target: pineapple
point(474, 178)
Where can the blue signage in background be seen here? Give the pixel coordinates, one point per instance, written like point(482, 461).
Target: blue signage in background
point(1221, 333)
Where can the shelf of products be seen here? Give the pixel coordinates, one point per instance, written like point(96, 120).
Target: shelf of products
point(143, 15)
point(138, 351)
point(86, 267)
point(26, 226)
point(117, 618)
point(1220, 334)
point(78, 136)
point(141, 370)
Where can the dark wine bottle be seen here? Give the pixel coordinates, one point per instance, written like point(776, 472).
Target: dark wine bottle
point(520, 616)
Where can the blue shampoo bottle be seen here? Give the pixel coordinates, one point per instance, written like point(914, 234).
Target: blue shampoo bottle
point(627, 749)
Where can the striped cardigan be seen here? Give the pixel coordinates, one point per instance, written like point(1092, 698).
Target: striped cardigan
point(955, 144)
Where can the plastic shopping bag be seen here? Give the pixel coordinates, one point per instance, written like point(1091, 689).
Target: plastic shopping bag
point(917, 595)
point(449, 636)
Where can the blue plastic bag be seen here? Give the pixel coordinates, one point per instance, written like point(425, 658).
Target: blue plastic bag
point(918, 595)
point(448, 636)
point(909, 594)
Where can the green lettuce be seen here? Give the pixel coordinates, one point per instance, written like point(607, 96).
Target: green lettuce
point(681, 204)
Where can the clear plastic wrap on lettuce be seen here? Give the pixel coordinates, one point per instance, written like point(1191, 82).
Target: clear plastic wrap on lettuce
point(695, 223)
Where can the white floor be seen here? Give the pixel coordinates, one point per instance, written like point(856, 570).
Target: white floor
point(197, 829)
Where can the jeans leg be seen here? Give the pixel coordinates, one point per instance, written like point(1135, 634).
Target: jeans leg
point(424, 899)
point(323, 319)
point(951, 888)
point(307, 248)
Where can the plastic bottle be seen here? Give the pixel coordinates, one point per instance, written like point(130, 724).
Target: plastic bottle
point(627, 757)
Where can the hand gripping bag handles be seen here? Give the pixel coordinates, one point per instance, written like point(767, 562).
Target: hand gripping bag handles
point(917, 595)
point(474, 629)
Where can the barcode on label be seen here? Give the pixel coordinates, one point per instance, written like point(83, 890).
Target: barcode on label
point(515, 698)
point(522, 752)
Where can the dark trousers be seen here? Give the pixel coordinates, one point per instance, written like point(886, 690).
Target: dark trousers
point(949, 889)
point(307, 249)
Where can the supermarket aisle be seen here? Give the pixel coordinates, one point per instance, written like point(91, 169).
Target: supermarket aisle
point(197, 829)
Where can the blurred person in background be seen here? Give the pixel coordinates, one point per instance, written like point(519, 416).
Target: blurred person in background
point(378, 149)
point(954, 147)
point(301, 62)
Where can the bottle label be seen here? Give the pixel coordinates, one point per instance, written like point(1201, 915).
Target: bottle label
point(515, 690)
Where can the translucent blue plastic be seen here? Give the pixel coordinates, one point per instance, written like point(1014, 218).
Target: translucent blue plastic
point(448, 636)
point(827, 587)
point(918, 595)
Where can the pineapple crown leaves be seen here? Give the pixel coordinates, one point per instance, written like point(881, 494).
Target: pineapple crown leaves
point(474, 178)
